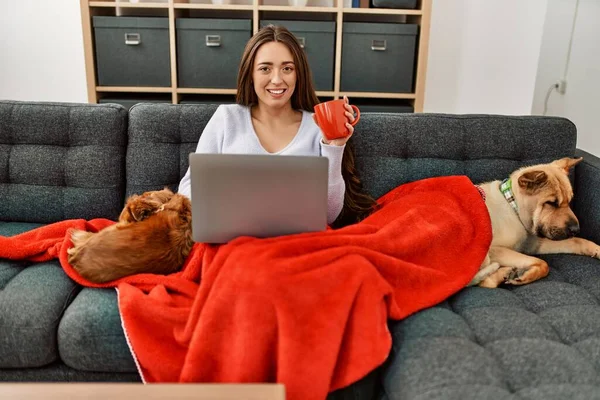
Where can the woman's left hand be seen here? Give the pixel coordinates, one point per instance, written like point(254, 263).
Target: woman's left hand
point(350, 116)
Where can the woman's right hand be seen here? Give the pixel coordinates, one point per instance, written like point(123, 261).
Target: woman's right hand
point(350, 117)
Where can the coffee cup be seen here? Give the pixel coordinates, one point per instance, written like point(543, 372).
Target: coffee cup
point(331, 118)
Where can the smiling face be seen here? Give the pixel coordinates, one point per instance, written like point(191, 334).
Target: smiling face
point(274, 75)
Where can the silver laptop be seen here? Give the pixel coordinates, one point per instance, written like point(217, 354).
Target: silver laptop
point(257, 195)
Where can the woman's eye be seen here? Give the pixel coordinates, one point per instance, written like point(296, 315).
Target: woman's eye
point(288, 69)
point(263, 69)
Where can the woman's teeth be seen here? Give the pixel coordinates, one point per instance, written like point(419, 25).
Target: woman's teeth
point(280, 91)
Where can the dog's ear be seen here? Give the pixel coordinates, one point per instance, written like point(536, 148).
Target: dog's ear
point(168, 194)
point(126, 214)
point(142, 209)
point(567, 163)
point(140, 213)
point(532, 181)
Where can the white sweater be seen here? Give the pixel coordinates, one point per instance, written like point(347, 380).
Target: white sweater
point(230, 131)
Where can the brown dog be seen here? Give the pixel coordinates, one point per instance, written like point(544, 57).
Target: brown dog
point(153, 235)
point(530, 214)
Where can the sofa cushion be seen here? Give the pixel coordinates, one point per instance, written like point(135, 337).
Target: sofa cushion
point(90, 335)
point(59, 372)
point(60, 161)
point(14, 228)
point(33, 297)
point(392, 149)
point(164, 132)
point(537, 341)
point(587, 195)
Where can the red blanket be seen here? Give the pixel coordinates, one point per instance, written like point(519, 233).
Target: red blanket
point(307, 310)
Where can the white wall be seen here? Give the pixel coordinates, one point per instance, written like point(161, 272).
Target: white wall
point(581, 101)
point(41, 51)
point(483, 55)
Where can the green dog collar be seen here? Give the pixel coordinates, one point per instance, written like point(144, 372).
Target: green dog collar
point(506, 189)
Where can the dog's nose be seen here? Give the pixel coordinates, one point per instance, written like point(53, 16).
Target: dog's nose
point(573, 228)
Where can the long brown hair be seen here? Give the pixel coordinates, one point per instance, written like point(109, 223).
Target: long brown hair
point(357, 205)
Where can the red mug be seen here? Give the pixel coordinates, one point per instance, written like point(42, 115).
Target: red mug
point(332, 120)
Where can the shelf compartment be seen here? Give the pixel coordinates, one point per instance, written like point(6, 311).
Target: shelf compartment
point(379, 95)
point(207, 99)
point(209, 51)
point(115, 4)
point(387, 53)
point(381, 11)
point(298, 9)
point(134, 89)
point(325, 93)
point(205, 91)
point(188, 6)
point(132, 51)
point(383, 105)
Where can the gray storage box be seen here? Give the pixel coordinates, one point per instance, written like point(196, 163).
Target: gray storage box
point(378, 57)
point(209, 51)
point(132, 51)
point(404, 4)
point(318, 38)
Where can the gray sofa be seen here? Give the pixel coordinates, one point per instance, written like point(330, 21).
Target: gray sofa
point(61, 161)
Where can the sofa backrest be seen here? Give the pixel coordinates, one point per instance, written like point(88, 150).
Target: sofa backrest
point(390, 149)
point(395, 149)
point(161, 137)
point(60, 161)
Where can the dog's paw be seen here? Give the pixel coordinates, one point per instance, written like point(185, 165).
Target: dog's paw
point(588, 248)
point(484, 272)
point(597, 252)
point(78, 237)
point(515, 275)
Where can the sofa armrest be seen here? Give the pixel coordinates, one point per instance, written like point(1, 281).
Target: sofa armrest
point(587, 195)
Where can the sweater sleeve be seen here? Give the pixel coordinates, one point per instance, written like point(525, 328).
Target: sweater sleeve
point(211, 142)
point(337, 186)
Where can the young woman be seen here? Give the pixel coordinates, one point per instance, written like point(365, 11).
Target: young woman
point(273, 115)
